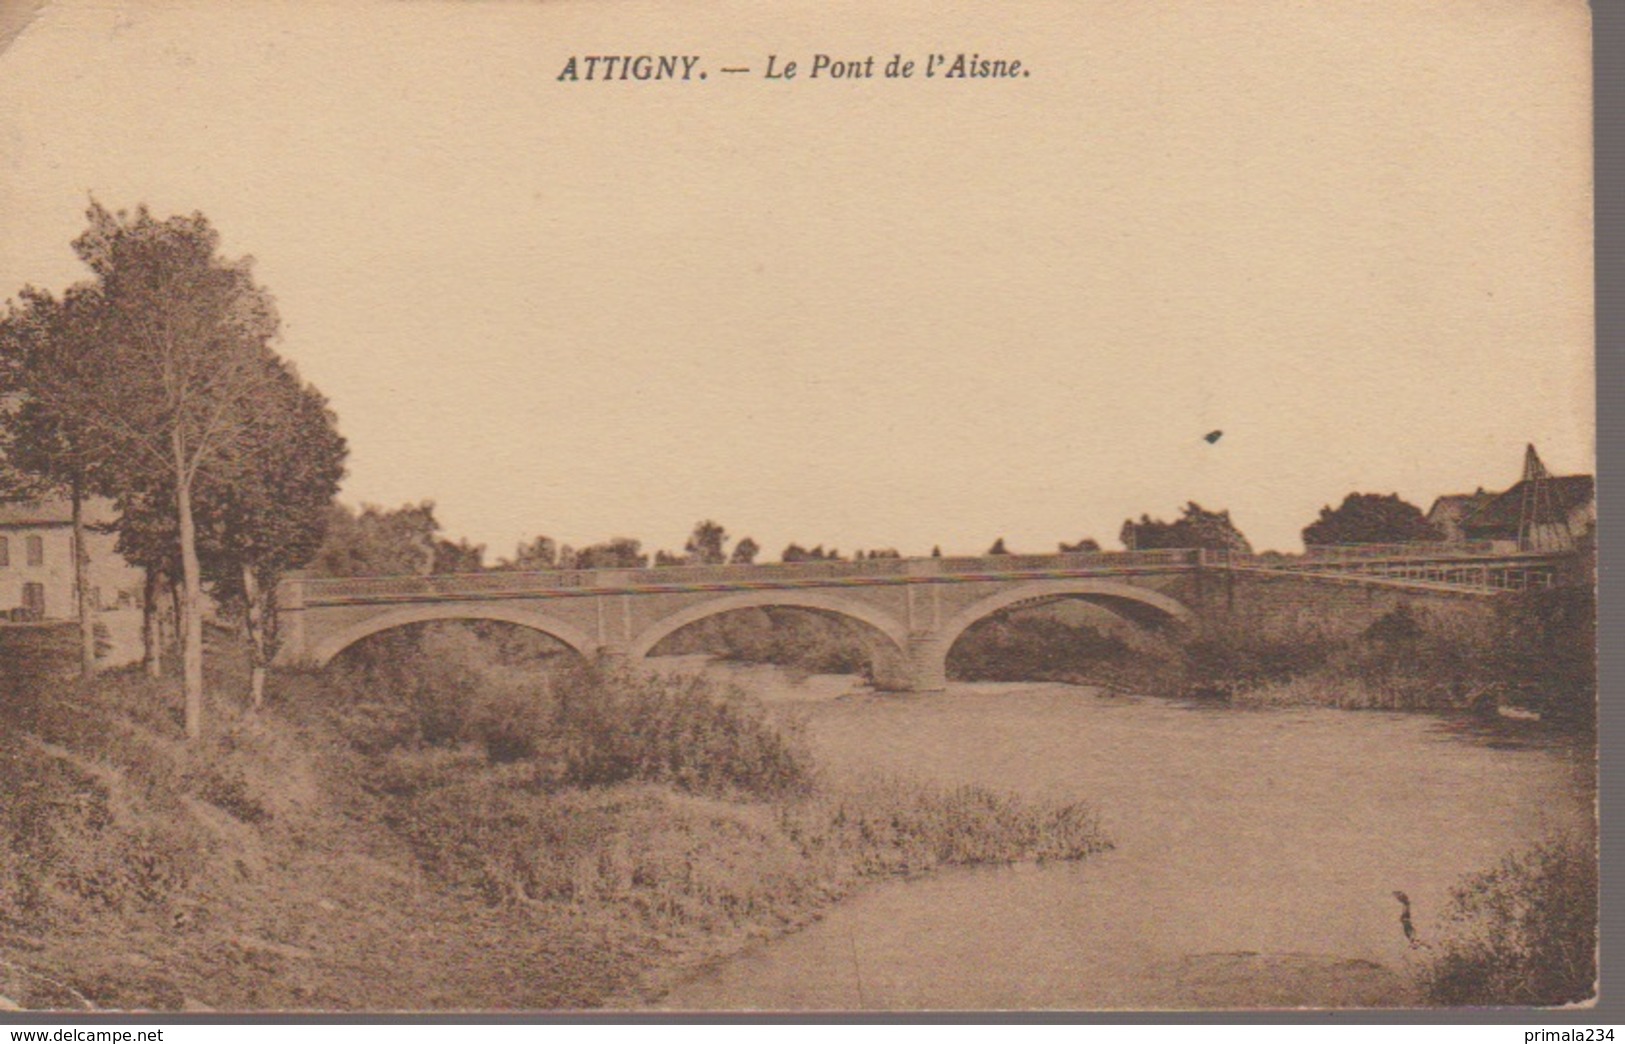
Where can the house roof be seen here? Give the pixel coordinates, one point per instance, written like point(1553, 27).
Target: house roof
point(1455, 506)
point(1503, 514)
point(36, 513)
point(52, 512)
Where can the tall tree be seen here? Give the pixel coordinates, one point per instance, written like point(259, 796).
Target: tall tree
point(707, 544)
point(267, 509)
point(998, 548)
point(1196, 527)
point(1370, 518)
point(532, 555)
point(459, 556)
point(175, 384)
point(615, 553)
point(49, 450)
point(745, 552)
point(379, 541)
point(147, 539)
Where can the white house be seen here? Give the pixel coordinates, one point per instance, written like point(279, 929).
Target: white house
point(36, 561)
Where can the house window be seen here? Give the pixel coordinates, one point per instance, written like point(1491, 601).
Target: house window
point(36, 550)
point(34, 601)
point(5, 552)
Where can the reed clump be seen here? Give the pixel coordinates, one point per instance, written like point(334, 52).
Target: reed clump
point(1523, 933)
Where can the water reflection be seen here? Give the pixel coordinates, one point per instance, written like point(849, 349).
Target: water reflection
point(1502, 733)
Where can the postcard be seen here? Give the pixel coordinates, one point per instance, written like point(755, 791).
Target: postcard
point(1059, 506)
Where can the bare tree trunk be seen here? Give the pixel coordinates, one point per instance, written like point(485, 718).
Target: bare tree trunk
point(172, 619)
point(191, 601)
point(152, 625)
point(81, 587)
point(254, 621)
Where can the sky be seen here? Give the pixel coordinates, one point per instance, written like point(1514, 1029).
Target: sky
point(1353, 236)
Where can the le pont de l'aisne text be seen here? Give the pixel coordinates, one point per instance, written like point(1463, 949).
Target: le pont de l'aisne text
point(679, 68)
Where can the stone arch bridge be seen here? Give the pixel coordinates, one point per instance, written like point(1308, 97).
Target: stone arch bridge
point(910, 611)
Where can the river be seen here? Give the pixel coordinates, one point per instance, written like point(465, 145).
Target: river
point(1257, 851)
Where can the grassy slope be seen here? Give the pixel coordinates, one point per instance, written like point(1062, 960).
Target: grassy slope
point(275, 866)
point(249, 876)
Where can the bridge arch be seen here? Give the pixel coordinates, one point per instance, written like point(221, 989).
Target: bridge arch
point(1143, 603)
point(333, 644)
point(894, 631)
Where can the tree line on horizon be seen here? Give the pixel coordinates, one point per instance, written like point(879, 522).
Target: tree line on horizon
point(408, 540)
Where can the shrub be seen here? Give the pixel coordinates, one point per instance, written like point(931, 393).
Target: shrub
point(445, 685)
point(802, 639)
point(1021, 647)
point(1544, 651)
point(891, 826)
point(1407, 659)
point(681, 861)
point(672, 860)
point(449, 688)
point(1532, 649)
point(688, 732)
point(1224, 659)
point(1398, 626)
point(1524, 933)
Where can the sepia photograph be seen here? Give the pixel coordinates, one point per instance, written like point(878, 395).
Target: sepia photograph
point(553, 506)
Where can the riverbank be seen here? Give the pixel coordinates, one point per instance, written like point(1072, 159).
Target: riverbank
point(1532, 653)
point(321, 854)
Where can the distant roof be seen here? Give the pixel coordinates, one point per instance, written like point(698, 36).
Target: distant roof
point(52, 512)
point(1563, 493)
point(1459, 505)
point(36, 513)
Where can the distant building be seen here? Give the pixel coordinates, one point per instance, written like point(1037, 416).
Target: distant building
point(1449, 511)
point(36, 561)
point(1542, 512)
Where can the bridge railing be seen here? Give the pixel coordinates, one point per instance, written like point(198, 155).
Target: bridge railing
point(443, 584)
point(1067, 561)
point(1385, 559)
point(317, 590)
point(1333, 555)
point(1417, 549)
point(767, 572)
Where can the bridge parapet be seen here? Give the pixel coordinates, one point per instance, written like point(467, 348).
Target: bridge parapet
point(1478, 565)
point(768, 572)
point(1473, 569)
point(1425, 548)
point(300, 591)
point(336, 590)
point(1071, 560)
point(1327, 554)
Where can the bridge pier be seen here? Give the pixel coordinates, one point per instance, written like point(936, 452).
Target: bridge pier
point(292, 646)
point(927, 663)
point(891, 673)
point(613, 655)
